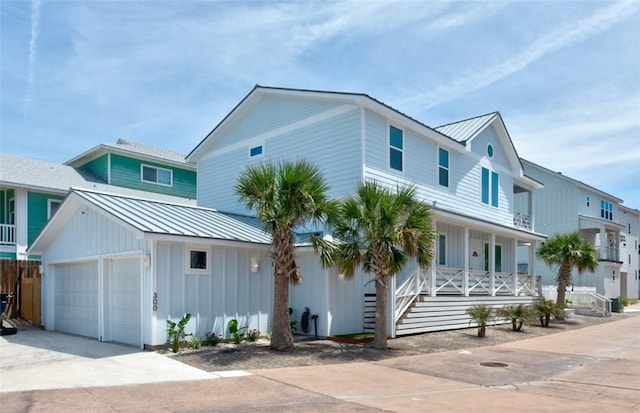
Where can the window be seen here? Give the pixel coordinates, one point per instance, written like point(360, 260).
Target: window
point(442, 249)
point(606, 210)
point(255, 151)
point(497, 257)
point(490, 151)
point(490, 187)
point(52, 207)
point(396, 148)
point(157, 175)
point(629, 228)
point(198, 260)
point(443, 167)
point(588, 201)
point(12, 211)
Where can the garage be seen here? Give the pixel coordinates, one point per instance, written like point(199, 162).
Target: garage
point(75, 304)
point(122, 301)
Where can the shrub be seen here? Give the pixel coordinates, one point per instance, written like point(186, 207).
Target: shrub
point(212, 338)
point(480, 313)
point(253, 335)
point(196, 342)
point(518, 314)
point(545, 309)
point(175, 332)
point(235, 331)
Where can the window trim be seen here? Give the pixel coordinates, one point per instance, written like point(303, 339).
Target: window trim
point(189, 269)
point(491, 196)
point(446, 168)
point(588, 201)
point(490, 151)
point(496, 246)
point(52, 201)
point(391, 147)
point(606, 210)
point(157, 169)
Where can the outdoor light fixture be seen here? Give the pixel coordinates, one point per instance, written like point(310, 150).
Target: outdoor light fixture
point(255, 266)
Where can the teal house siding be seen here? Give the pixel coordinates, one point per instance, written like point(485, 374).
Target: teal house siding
point(98, 166)
point(126, 172)
point(37, 210)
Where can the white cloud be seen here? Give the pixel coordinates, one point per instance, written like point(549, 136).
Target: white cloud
point(35, 31)
point(562, 37)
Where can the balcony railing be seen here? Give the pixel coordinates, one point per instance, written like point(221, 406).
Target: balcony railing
point(521, 220)
point(7, 234)
point(611, 254)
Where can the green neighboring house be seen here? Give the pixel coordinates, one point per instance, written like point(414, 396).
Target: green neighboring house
point(32, 190)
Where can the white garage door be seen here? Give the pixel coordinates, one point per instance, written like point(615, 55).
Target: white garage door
point(122, 301)
point(75, 300)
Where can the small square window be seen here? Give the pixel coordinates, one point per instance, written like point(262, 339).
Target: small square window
point(198, 260)
point(52, 207)
point(255, 151)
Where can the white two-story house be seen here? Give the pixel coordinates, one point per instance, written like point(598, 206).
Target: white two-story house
point(566, 205)
point(212, 260)
point(630, 252)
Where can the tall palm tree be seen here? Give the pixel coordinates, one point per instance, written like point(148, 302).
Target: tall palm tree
point(380, 230)
point(284, 195)
point(568, 251)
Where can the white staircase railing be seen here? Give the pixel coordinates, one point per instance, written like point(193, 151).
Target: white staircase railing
point(596, 302)
point(7, 234)
point(407, 293)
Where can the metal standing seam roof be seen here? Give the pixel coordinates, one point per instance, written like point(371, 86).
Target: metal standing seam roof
point(173, 219)
point(465, 129)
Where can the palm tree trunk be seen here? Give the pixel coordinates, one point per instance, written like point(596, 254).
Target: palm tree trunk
point(380, 338)
point(564, 277)
point(284, 264)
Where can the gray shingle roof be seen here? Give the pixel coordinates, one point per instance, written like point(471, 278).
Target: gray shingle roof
point(148, 150)
point(19, 172)
point(173, 219)
point(465, 129)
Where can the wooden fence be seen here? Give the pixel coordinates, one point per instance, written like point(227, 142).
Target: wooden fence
point(21, 281)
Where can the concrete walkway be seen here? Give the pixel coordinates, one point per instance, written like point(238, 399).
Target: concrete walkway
point(590, 369)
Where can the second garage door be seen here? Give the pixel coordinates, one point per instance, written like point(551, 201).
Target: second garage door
point(122, 301)
point(75, 303)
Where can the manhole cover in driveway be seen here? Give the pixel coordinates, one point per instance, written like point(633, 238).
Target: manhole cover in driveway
point(494, 364)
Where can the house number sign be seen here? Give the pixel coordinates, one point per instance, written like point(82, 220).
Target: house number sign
point(155, 301)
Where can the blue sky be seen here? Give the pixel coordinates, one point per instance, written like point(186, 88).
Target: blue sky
point(565, 75)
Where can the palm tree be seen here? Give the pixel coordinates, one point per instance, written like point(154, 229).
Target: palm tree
point(568, 251)
point(284, 195)
point(380, 230)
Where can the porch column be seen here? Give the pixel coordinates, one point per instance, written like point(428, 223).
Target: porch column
point(531, 215)
point(391, 291)
point(465, 274)
point(515, 266)
point(432, 271)
point(532, 266)
point(21, 208)
point(492, 264)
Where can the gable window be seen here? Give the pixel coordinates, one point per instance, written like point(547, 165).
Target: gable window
point(255, 151)
point(52, 207)
point(198, 260)
point(443, 167)
point(588, 201)
point(490, 151)
point(396, 148)
point(490, 187)
point(606, 210)
point(442, 249)
point(155, 175)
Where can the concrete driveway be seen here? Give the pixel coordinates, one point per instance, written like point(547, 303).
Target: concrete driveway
point(35, 359)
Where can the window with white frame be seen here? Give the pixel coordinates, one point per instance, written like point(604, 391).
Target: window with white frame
point(198, 260)
point(396, 148)
point(52, 207)
point(490, 187)
point(156, 175)
point(588, 201)
point(606, 210)
point(256, 151)
point(443, 167)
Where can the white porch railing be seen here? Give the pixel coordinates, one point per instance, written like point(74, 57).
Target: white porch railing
point(596, 302)
point(452, 281)
point(7, 234)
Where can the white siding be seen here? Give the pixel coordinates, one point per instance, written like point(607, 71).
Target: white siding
point(230, 290)
point(479, 148)
point(90, 233)
point(333, 145)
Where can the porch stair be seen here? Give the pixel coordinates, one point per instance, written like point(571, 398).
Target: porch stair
point(428, 314)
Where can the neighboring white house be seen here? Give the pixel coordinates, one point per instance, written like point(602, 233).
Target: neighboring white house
point(630, 253)
point(116, 268)
point(566, 205)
